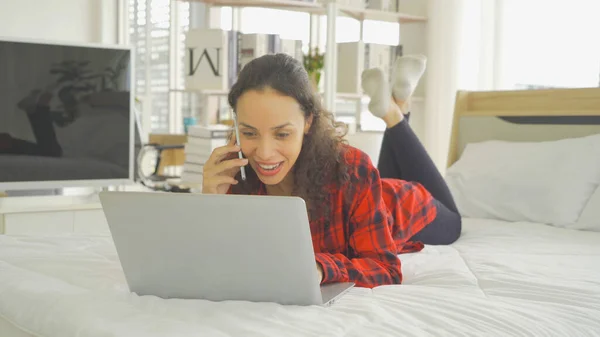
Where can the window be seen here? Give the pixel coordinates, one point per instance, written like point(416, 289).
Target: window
point(348, 30)
point(156, 26)
point(550, 44)
point(287, 24)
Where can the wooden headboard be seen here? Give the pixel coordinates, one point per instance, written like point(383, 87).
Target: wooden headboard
point(523, 115)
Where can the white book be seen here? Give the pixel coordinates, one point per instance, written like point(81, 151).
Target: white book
point(292, 48)
point(253, 46)
point(349, 3)
point(196, 158)
point(379, 56)
point(362, 4)
point(209, 131)
point(200, 143)
point(355, 57)
point(351, 60)
point(340, 2)
point(203, 147)
point(383, 5)
point(206, 143)
point(192, 167)
point(194, 149)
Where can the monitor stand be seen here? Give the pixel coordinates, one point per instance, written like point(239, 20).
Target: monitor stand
point(32, 193)
point(83, 193)
point(66, 191)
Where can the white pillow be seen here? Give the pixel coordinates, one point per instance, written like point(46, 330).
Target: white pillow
point(544, 182)
point(590, 217)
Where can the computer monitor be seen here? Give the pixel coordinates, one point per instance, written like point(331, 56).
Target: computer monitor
point(66, 115)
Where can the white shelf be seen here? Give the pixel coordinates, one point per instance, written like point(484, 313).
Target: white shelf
point(203, 92)
point(339, 95)
point(332, 10)
point(294, 5)
point(319, 8)
point(370, 14)
point(351, 96)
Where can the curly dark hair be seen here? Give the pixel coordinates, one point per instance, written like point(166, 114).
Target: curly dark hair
point(321, 160)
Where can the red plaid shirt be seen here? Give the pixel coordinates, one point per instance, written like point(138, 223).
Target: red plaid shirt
point(360, 238)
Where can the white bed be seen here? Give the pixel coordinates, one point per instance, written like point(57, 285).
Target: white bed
point(500, 279)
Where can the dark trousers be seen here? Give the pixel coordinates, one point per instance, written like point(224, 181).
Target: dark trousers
point(46, 143)
point(403, 157)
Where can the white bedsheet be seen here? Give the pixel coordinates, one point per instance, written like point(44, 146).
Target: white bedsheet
point(499, 279)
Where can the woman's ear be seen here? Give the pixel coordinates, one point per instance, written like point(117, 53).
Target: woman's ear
point(307, 124)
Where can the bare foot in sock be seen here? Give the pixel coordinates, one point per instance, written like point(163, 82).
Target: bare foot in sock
point(29, 103)
point(382, 105)
point(375, 85)
point(407, 72)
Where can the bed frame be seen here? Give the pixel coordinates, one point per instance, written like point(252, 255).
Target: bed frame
point(523, 115)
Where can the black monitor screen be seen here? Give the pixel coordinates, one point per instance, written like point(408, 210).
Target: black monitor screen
point(65, 112)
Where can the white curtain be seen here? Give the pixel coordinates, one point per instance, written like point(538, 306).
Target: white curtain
point(462, 46)
point(550, 43)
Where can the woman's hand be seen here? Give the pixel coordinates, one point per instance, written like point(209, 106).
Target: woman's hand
point(220, 169)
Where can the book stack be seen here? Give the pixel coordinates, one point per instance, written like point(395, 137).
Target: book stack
point(350, 3)
point(201, 142)
point(359, 56)
point(383, 5)
point(256, 45)
point(292, 48)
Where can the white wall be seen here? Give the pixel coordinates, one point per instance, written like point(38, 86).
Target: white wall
point(461, 57)
point(60, 20)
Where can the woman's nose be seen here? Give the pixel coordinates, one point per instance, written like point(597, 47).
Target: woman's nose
point(265, 150)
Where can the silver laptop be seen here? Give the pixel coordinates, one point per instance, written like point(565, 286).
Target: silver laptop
point(217, 247)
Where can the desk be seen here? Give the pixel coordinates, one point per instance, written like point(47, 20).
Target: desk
point(171, 157)
point(56, 214)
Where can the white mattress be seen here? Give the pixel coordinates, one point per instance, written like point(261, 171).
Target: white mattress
point(499, 279)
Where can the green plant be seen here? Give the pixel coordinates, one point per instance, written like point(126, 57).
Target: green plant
point(76, 74)
point(109, 78)
point(76, 80)
point(314, 62)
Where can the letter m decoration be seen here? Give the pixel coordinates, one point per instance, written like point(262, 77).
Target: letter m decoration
point(206, 62)
point(214, 64)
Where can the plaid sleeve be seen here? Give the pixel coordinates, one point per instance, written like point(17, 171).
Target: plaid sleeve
point(414, 209)
point(372, 249)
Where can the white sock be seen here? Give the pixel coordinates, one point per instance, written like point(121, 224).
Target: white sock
point(376, 86)
point(407, 73)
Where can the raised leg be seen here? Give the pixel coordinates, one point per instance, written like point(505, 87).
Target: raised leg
point(403, 156)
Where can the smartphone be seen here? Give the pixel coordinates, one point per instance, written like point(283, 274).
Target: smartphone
point(237, 142)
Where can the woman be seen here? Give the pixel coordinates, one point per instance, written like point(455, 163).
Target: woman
point(361, 217)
